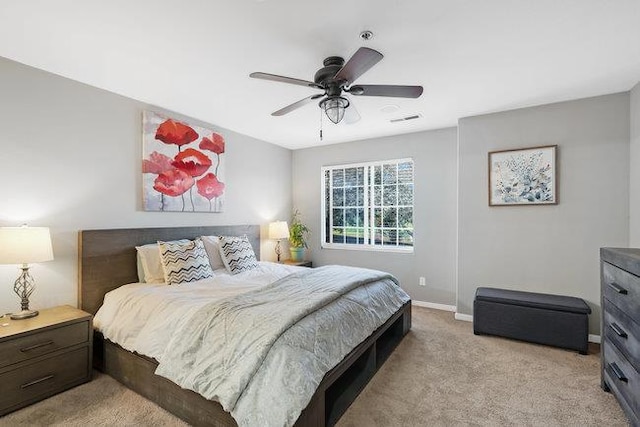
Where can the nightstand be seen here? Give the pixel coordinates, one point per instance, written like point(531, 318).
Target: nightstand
point(298, 263)
point(44, 355)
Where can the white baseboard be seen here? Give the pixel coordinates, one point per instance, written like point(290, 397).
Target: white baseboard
point(594, 338)
point(464, 317)
point(435, 305)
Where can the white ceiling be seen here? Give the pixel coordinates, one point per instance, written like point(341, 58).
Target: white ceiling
point(194, 57)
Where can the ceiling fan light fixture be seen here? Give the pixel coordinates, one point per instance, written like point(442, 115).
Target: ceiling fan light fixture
point(334, 107)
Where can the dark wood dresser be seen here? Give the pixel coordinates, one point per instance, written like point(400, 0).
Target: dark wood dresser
point(43, 355)
point(620, 351)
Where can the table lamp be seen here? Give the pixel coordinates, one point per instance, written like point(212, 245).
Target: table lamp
point(25, 245)
point(278, 230)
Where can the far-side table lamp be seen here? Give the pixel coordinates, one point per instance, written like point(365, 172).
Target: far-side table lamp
point(279, 230)
point(25, 245)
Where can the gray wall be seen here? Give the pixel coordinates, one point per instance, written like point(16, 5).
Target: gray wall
point(551, 249)
point(634, 162)
point(70, 159)
point(434, 154)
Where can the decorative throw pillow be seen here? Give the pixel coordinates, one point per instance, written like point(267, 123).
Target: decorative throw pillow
point(212, 246)
point(237, 254)
point(184, 262)
point(149, 258)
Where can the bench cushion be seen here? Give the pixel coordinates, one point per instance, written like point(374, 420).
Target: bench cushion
point(532, 299)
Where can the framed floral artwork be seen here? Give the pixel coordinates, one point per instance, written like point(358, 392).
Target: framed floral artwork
point(182, 166)
point(526, 176)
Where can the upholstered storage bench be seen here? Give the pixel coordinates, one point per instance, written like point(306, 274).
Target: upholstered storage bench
point(555, 320)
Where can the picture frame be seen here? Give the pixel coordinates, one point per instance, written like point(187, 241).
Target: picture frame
point(523, 176)
point(183, 166)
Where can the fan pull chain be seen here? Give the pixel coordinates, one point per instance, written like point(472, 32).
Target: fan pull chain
point(320, 124)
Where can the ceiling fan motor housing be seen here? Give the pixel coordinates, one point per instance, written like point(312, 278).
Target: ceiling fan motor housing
point(332, 65)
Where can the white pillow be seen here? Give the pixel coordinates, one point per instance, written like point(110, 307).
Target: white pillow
point(139, 268)
point(237, 254)
point(212, 246)
point(184, 262)
point(152, 263)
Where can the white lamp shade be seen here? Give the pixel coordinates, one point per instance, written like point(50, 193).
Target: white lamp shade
point(279, 230)
point(25, 245)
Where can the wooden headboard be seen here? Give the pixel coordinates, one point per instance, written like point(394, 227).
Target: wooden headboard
point(107, 258)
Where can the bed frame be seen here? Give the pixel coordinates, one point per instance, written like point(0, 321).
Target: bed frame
point(107, 260)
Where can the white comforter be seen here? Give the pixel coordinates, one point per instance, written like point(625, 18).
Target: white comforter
point(264, 373)
point(142, 317)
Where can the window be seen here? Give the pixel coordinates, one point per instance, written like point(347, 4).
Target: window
point(368, 206)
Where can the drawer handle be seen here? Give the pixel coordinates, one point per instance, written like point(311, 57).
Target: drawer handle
point(618, 372)
point(38, 381)
point(33, 347)
point(619, 289)
point(618, 330)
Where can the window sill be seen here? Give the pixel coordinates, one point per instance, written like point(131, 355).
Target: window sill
point(369, 248)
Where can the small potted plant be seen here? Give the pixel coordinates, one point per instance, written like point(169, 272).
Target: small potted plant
point(297, 237)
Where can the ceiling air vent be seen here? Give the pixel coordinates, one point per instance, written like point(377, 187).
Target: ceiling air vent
point(404, 119)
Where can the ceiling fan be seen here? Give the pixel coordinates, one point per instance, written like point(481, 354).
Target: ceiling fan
point(336, 78)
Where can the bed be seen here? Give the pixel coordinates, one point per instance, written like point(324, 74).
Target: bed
point(107, 260)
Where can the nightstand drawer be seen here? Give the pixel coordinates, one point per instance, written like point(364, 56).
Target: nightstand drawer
point(37, 380)
point(30, 346)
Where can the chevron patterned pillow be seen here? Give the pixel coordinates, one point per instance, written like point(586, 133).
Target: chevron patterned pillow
point(184, 261)
point(237, 254)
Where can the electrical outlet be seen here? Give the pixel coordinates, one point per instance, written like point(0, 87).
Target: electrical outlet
point(422, 281)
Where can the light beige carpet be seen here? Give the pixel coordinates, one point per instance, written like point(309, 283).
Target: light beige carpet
point(440, 375)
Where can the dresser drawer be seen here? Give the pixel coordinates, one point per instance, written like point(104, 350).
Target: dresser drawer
point(33, 381)
point(622, 376)
point(619, 329)
point(47, 341)
point(622, 289)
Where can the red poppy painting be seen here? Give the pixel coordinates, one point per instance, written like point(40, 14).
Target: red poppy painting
point(182, 166)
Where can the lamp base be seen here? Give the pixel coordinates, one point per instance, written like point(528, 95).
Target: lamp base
point(24, 287)
point(278, 250)
point(24, 314)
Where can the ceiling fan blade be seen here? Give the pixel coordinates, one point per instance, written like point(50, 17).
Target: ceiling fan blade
point(289, 108)
point(387, 90)
point(283, 79)
point(358, 64)
point(351, 114)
